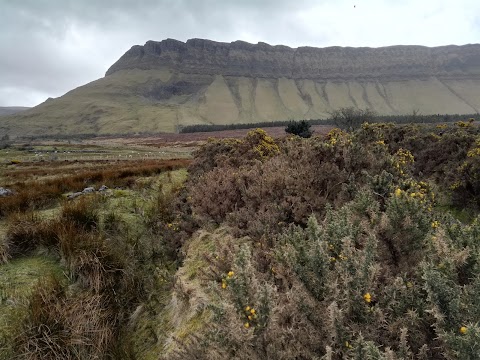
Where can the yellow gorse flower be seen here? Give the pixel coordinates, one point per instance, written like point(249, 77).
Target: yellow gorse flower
point(367, 297)
point(230, 274)
point(463, 330)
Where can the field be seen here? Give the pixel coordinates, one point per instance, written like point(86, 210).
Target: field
point(243, 245)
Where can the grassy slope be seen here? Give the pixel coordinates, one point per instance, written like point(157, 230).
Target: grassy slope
point(123, 102)
point(9, 110)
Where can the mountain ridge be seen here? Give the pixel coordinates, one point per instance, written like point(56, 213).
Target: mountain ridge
point(240, 58)
point(163, 86)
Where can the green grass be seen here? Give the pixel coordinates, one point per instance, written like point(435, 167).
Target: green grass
point(18, 278)
point(122, 215)
point(110, 105)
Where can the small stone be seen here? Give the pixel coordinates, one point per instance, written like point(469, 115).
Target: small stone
point(5, 192)
point(103, 188)
point(74, 195)
point(88, 190)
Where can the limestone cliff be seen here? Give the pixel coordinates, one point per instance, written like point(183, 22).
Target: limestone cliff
point(198, 56)
point(162, 86)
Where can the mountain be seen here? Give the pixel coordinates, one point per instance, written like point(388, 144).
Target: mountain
point(9, 110)
point(162, 86)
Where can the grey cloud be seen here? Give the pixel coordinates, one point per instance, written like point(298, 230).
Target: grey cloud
point(39, 49)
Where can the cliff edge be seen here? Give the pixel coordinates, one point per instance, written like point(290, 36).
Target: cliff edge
point(239, 58)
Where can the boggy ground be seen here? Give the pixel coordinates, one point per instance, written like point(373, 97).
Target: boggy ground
point(356, 245)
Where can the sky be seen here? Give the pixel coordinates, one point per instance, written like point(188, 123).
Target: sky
point(49, 47)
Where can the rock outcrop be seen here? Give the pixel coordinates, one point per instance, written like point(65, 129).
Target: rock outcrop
point(206, 57)
point(162, 86)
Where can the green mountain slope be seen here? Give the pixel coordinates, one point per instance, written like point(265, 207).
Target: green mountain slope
point(163, 86)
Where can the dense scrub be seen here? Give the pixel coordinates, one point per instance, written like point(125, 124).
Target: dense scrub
point(352, 249)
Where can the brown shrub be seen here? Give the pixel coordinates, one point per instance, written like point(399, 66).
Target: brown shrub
point(263, 195)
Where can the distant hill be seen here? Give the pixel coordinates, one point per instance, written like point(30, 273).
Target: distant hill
point(162, 86)
point(9, 110)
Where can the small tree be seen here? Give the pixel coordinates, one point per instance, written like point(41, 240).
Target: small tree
point(300, 128)
point(350, 118)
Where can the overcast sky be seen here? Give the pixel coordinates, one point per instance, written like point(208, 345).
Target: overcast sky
point(49, 47)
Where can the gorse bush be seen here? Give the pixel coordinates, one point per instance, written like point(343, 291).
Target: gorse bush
point(356, 284)
point(348, 240)
point(296, 178)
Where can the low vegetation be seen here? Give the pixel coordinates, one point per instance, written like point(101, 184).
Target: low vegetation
point(351, 245)
point(33, 194)
point(414, 117)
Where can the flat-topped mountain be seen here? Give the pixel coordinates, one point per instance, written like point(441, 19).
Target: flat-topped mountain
point(162, 86)
point(198, 56)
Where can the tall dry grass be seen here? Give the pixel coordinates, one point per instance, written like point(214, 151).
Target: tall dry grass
point(34, 195)
point(107, 281)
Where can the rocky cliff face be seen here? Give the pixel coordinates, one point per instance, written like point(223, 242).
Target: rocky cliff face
point(162, 86)
point(198, 56)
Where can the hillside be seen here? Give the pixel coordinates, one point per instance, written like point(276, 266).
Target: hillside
point(162, 86)
point(9, 110)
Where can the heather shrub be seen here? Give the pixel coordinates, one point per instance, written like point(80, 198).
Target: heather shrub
point(464, 179)
point(266, 193)
point(257, 145)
